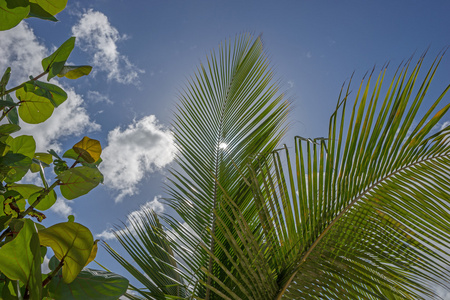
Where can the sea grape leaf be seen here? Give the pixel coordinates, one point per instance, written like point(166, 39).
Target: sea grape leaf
point(6, 129)
point(93, 252)
point(41, 159)
point(12, 12)
point(55, 62)
point(73, 155)
point(21, 259)
point(18, 164)
point(74, 72)
point(24, 144)
point(5, 79)
point(36, 11)
point(88, 149)
point(79, 181)
point(52, 92)
point(32, 192)
point(13, 116)
point(53, 7)
point(33, 109)
point(71, 242)
point(89, 284)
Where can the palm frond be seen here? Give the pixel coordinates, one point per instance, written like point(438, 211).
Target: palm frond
point(150, 247)
point(230, 110)
point(366, 211)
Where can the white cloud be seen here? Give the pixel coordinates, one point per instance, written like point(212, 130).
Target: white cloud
point(443, 126)
point(20, 50)
point(134, 217)
point(62, 208)
point(97, 36)
point(44, 266)
point(97, 97)
point(143, 147)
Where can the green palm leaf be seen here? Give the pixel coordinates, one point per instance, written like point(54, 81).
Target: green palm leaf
point(363, 213)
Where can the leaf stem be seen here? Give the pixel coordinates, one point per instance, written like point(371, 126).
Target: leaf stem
point(21, 85)
point(52, 274)
point(44, 193)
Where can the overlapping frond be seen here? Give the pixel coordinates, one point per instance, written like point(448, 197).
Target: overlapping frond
point(364, 213)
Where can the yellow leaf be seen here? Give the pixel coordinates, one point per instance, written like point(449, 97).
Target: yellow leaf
point(93, 252)
point(88, 149)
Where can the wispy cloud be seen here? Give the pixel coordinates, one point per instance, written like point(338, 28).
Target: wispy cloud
point(143, 147)
point(97, 36)
point(20, 50)
point(97, 97)
point(134, 217)
point(62, 208)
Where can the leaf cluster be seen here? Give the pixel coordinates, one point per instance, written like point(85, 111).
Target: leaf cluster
point(23, 239)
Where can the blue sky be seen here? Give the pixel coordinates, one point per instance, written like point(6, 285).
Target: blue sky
point(143, 51)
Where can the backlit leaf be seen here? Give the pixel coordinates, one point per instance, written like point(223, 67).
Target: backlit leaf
point(32, 192)
point(37, 11)
point(52, 92)
point(53, 7)
point(89, 284)
point(12, 12)
point(55, 62)
point(33, 109)
point(88, 149)
point(21, 259)
point(71, 242)
point(74, 72)
point(79, 181)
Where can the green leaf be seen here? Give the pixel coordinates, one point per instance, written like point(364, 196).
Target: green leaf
point(52, 92)
point(33, 109)
point(12, 12)
point(79, 181)
point(89, 284)
point(41, 159)
point(23, 144)
point(8, 102)
point(55, 62)
point(13, 116)
point(53, 7)
point(74, 72)
point(19, 165)
point(5, 79)
point(36, 11)
point(6, 129)
point(32, 192)
point(21, 259)
point(71, 242)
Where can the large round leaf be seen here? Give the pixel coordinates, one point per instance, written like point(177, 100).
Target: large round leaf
point(32, 192)
point(79, 181)
point(88, 149)
point(12, 12)
point(55, 62)
point(71, 242)
point(51, 6)
point(33, 109)
point(24, 144)
point(21, 259)
point(89, 284)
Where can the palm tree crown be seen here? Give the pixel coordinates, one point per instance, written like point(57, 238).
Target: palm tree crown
point(363, 213)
